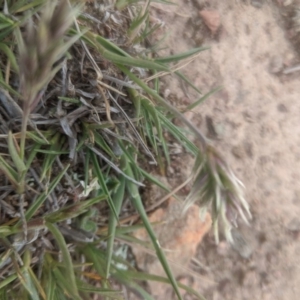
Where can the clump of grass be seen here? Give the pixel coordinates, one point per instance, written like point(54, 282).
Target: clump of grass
point(83, 129)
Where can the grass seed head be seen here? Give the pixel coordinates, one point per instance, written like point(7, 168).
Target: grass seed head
point(41, 47)
point(217, 187)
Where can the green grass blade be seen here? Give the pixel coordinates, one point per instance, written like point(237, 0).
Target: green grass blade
point(49, 159)
point(52, 152)
point(102, 183)
point(180, 56)
point(156, 84)
point(50, 286)
point(32, 155)
point(64, 290)
point(5, 230)
point(37, 284)
point(138, 205)
point(74, 210)
point(6, 32)
point(136, 99)
point(10, 55)
point(11, 174)
point(29, 286)
point(121, 4)
point(167, 105)
point(8, 280)
point(15, 155)
point(139, 138)
point(5, 21)
point(132, 240)
point(152, 179)
point(111, 46)
point(146, 33)
point(69, 270)
point(114, 166)
point(137, 22)
point(22, 6)
point(25, 278)
point(8, 88)
point(99, 140)
point(95, 256)
point(134, 62)
point(6, 26)
point(110, 294)
point(149, 277)
point(128, 229)
point(4, 294)
point(185, 79)
point(143, 293)
point(71, 100)
point(87, 170)
point(124, 279)
point(202, 99)
point(128, 60)
point(40, 200)
point(153, 111)
point(178, 134)
point(112, 223)
point(35, 137)
point(148, 130)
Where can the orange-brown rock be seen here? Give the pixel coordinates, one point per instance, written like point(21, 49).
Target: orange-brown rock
point(212, 20)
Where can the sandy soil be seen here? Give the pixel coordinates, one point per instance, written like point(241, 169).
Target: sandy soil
point(256, 126)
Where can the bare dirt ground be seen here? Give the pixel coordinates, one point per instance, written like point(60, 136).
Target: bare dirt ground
point(255, 124)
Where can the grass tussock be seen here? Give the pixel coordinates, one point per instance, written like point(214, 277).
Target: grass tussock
point(81, 130)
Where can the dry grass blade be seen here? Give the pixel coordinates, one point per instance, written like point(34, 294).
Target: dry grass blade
point(133, 128)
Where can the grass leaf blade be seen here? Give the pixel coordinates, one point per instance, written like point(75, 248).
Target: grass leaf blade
point(66, 258)
point(138, 205)
point(180, 56)
point(40, 200)
point(202, 99)
point(103, 184)
point(118, 200)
